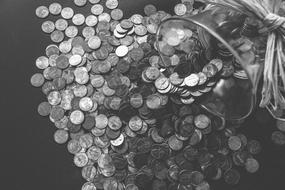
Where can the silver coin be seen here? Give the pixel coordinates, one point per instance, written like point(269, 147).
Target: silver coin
point(94, 1)
point(112, 4)
point(55, 8)
point(61, 24)
point(78, 19)
point(42, 62)
point(80, 3)
point(77, 117)
point(91, 20)
point(67, 13)
point(75, 60)
point(42, 12)
point(88, 32)
point(88, 186)
point(48, 27)
point(65, 47)
point(97, 9)
point(61, 136)
point(88, 172)
point(54, 98)
point(80, 159)
point(86, 104)
point(104, 17)
point(94, 42)
point(71, 31)
point(81, 75)
point(73, 146)
point(57, 36)
point(52, 60)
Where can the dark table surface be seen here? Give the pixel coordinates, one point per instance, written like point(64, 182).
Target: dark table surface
point(30, 159)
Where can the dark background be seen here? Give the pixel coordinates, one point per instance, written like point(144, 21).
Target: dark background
point(30, 159)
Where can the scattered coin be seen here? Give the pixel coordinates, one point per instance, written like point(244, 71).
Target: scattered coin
point(42, 12)
point(78, 19)
point(80, 3)
point(67, 13)
point(55, 8)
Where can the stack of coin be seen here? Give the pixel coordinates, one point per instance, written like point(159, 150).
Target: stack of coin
point(119, 105)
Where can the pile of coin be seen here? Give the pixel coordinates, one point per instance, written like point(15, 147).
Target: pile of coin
point(114, 102)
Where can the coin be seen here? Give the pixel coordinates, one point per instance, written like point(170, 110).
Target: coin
point(57, 36)
point(104, 17)
point(55, 8)
point(135, 123)
point(118, 141)
point(77, 117)
point(37, 80)
point(80, 3)
point(117, 14)
point(280, 125)
point(251, 165)
point(61, 136)
point(202, 121)
point(67, 13)
point(234, 143)
point(140, 30)
point(192, 80)
point(97, 9)
point(232, 177)
point(42, 12)
point(80, 159)
point(61, 24)
point(88, 186)
point(174, 143)
point(210, 70)
point(73, 146)
point(86, 140)
point(94, 42)
point(254, 147)
point(278, 138)
point(91, 20)
point(42, 62)
point(180, 9)
point(57, 113)
point(89, 172)
point(101, 121)
point(62, 62)
point(78, 19)
point(71, 31)
point(48, 27)
point(122, 51)
point(65, 47)
point(150, 9)
point(94, 1)
point(112, 4)
point(115, 123)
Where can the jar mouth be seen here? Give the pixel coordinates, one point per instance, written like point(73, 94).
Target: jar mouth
point(248, 75)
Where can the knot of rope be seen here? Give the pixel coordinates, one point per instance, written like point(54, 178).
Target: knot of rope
point(274, 21)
